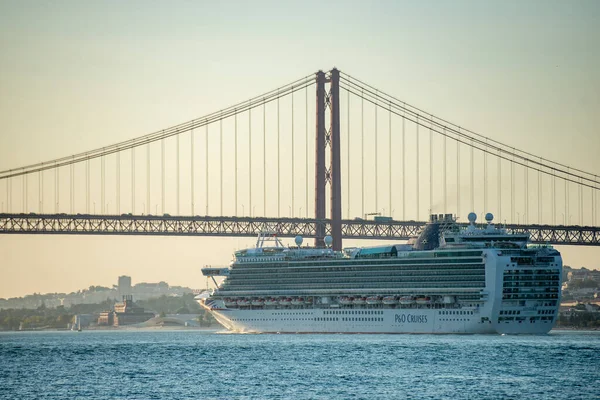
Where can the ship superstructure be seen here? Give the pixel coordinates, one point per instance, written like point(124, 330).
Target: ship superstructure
point(452, 279)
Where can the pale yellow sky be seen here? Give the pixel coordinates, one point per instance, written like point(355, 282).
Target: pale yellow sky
point(76, 76)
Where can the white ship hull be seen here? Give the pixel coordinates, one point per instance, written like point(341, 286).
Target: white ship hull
point(423, 321)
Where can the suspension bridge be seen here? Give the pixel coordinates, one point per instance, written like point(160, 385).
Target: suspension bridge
point(277, 161)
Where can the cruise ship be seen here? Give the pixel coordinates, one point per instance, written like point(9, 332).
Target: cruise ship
point(452, 278)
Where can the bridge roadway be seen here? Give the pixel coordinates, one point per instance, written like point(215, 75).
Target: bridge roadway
point(85, 224)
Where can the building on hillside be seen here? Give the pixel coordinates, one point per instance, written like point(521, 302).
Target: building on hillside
point(124, 285)
point(125, 313)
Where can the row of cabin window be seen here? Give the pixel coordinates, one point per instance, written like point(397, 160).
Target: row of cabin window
point(343, 312)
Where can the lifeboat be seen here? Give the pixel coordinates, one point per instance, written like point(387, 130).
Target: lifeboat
point(359, 301)
point(406, 300)
point(243, 302)
point(271, 302)
point(230, 302)
point(423, 300)
point(258, 302)
point(308, 300)
point(346, 301)
point(297, 301)
point(373, 300)
point(390, 300)
point(285, 301)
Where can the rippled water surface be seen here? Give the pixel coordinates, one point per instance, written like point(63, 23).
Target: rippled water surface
point(197, 364)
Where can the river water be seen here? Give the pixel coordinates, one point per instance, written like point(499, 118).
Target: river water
point(191, 364)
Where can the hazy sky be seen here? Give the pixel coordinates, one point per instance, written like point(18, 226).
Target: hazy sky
point(80, 75)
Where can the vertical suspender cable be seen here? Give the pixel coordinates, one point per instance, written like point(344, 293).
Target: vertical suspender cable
point(595, 221)
point(526, 170)
point(235, 165)
point(133, 180)
point(192, 171)
point(485, 186)
point(9, 194)
point(417, 169)
point(278, 163)
point(430, 164)
point(553, 196)
point(147, 208)
point(539, 199)
point(72, 188)
point(458, 177)
point(594, 202)
point(265, 159)
point(87, 186)
point(118, 173)
point(221, 165)
point(403, 168)
point(348, 156)
point(362, 144)
point(102, 186)
point(512, 188)
point(250, 160)
point(24, 188)
point(293, 177)
point(41, 193)
point(566, 213)
point(177, 169)
point(206, 166)
point(500, 186)
point(376, 158)
point(56, 189)
point(390, 159)
point(306, 146)
point(580, 202)
point(445, 174)
point(472, 179)
point(162, 172)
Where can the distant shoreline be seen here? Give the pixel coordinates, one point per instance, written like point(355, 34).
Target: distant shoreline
point(570, 328)
point(126, 328)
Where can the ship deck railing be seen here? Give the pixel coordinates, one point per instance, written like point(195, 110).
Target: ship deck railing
point(339, 292)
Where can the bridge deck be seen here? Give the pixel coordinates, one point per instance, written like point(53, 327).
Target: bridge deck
point(84, 224)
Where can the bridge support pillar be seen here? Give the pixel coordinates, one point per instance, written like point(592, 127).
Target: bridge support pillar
point(334, 170)
point(331, 175)
point(320, 160)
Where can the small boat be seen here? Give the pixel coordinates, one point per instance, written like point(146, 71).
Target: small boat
point(308, 300)
point(423, 300)
point(406, 300)
point(298, 301)
point(372, 300)
point(230, 302)
point(243, 302)
point(390, 300)
point(346, 301)
point(285, 301)
point(258, 302)
point(359, 301)
point(271, 302)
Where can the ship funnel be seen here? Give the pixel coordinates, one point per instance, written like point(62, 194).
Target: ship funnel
point(429, 238)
